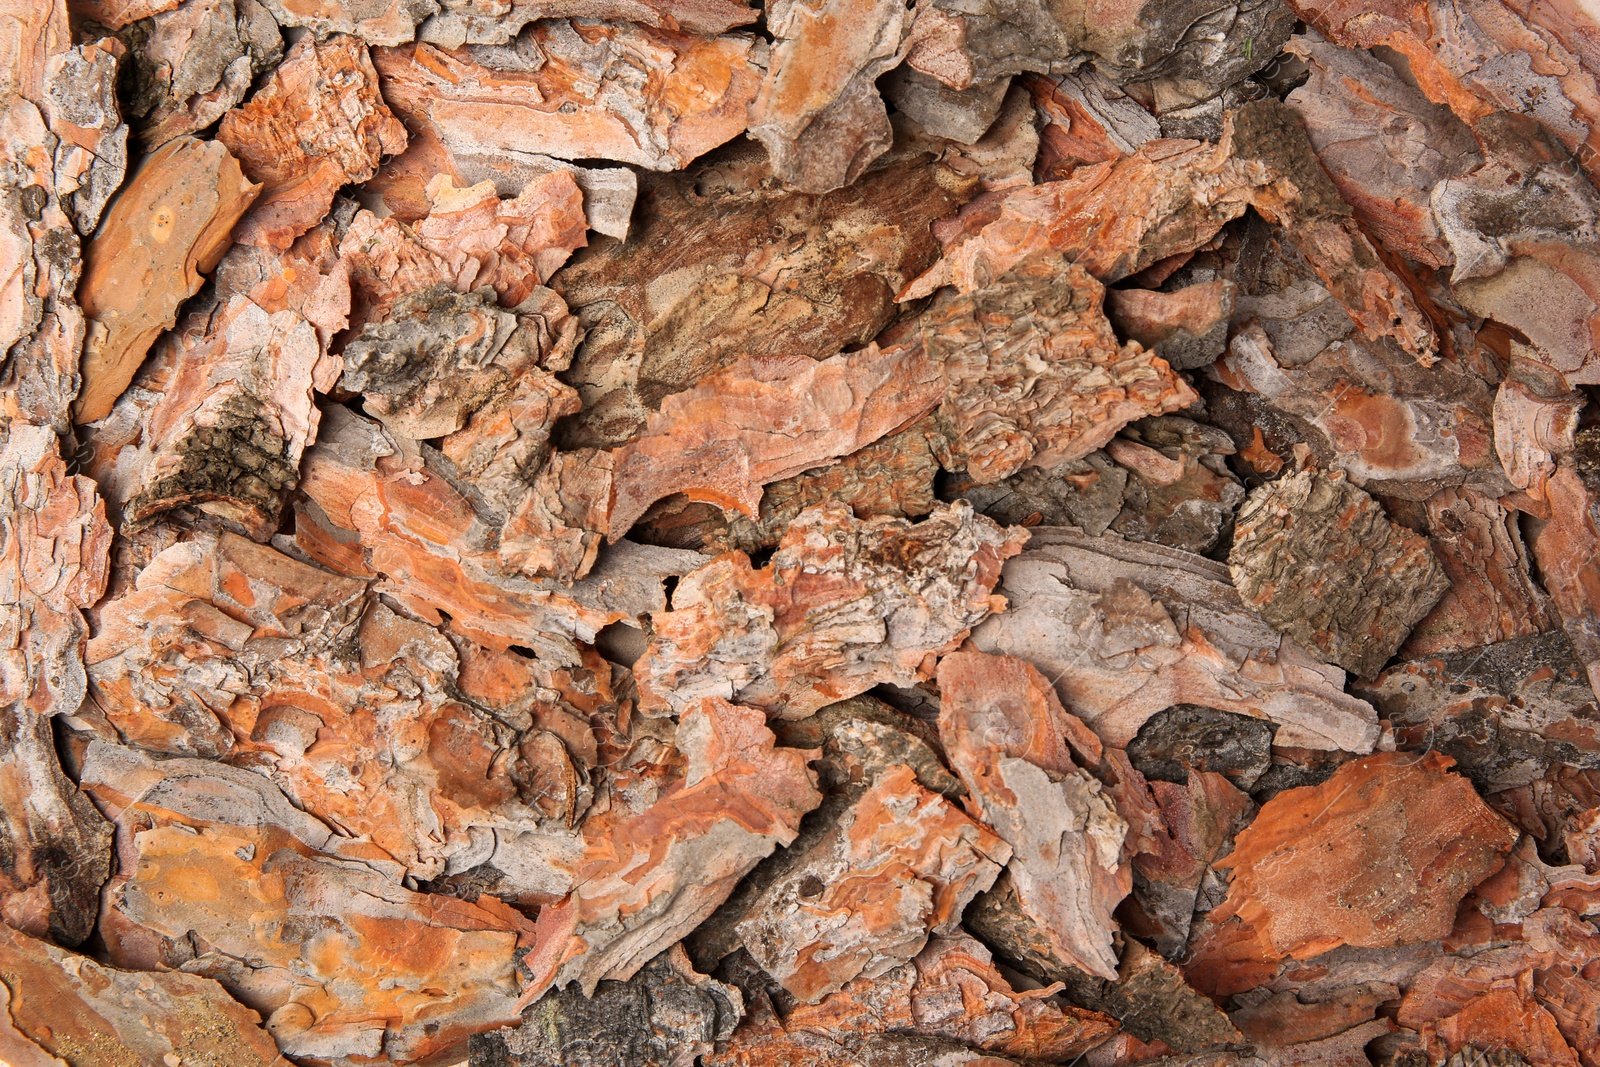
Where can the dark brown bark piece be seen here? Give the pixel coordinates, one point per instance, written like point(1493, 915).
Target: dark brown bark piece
point(1180, 492)
point(1320, 561)
point(1188, 737)
point(1087, 493)
point(664, 1016)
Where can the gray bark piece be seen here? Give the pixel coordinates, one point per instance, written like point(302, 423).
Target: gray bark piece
point(1189, 737)
point(1322, 564)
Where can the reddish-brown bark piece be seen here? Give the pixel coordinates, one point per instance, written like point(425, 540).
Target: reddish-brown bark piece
point(56, 540)
point(646, 878)
point(818, 113)
point(302, 145)
point(1479, 57)
point(1191, 190)
point(513, 245)
point(1187, 327)
point(1118, 654)
point(1384, 144)
point(172, 223)
point(341, 960)
point(58, 1002)
point(1492, 597)
point(1005, 732)
point(820, 280)
point(44, 81)
point(459, 22)
point(1321, 562)
point(844, 605)
point(902, 863)
point(234, 414)
point(1378, 855)
point(1179, 492)
point(952, 990)
point(1566, 550)
point(769, 418)
point(374, 509)
point(618, 91)
point(227, 649)
point(1017, 358)
point(893, 476)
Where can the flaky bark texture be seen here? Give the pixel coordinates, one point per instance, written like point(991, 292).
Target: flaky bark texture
point(58, 1004)
point(896, 595)
point(1314, 846)
point(1118, 653)
point(301, 146)
point(1003, 728)
point(1316, 556)
point(652, 98)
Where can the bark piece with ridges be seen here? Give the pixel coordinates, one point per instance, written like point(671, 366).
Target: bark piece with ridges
point(301, 145)
point(844, 605)
point(1323, 564)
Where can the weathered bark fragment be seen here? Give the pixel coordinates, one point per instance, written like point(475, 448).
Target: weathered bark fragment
point(1492, 597)
point(1378, 855)
point(57, 1004)
point(341, 960)
point(1003, 729)
point(195, 62)
point(667, 1014)
point(1509, 713)
point(757, 271)
point(459, 22)
point(1320, 561)
point(1188, 737)
point(893, 476)
point(1087, 493)
point(900, 864)
point(1566, 550)
point(646, 878)
point(818, 112)
point(1192, 189)
point(377, 22)
point(768, 418)
point(82, 109)
point(1180, 491)
point(1017, 357)
point(1149, 996)
point(1535, 424)
point(1384, 144)
point(170, 225)
point(952, 990)
point(302, 146)
point(514, 245)
point(581, 90)
point(1119, 654)
point(844, 605)
point(54, 847)
point(1187, 327)
point(376, 508)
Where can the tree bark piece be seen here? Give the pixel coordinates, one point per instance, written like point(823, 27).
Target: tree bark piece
point(1002, 726)
point(1187, 327)
point(459, 22)
point(1316, 556)
point(58, 1002)
point(819, 113)
point(1119, 652)
point(651, 98)
point(766, 419)
point(646, 879)
point(1314, 847)
point(303, 147)
point(55, 853)
point(667, 1014)
point(901, 863)
point(952, 990)
point(1016, 358)
point(844, 605)
point(1566, 550)
point(820, 280)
